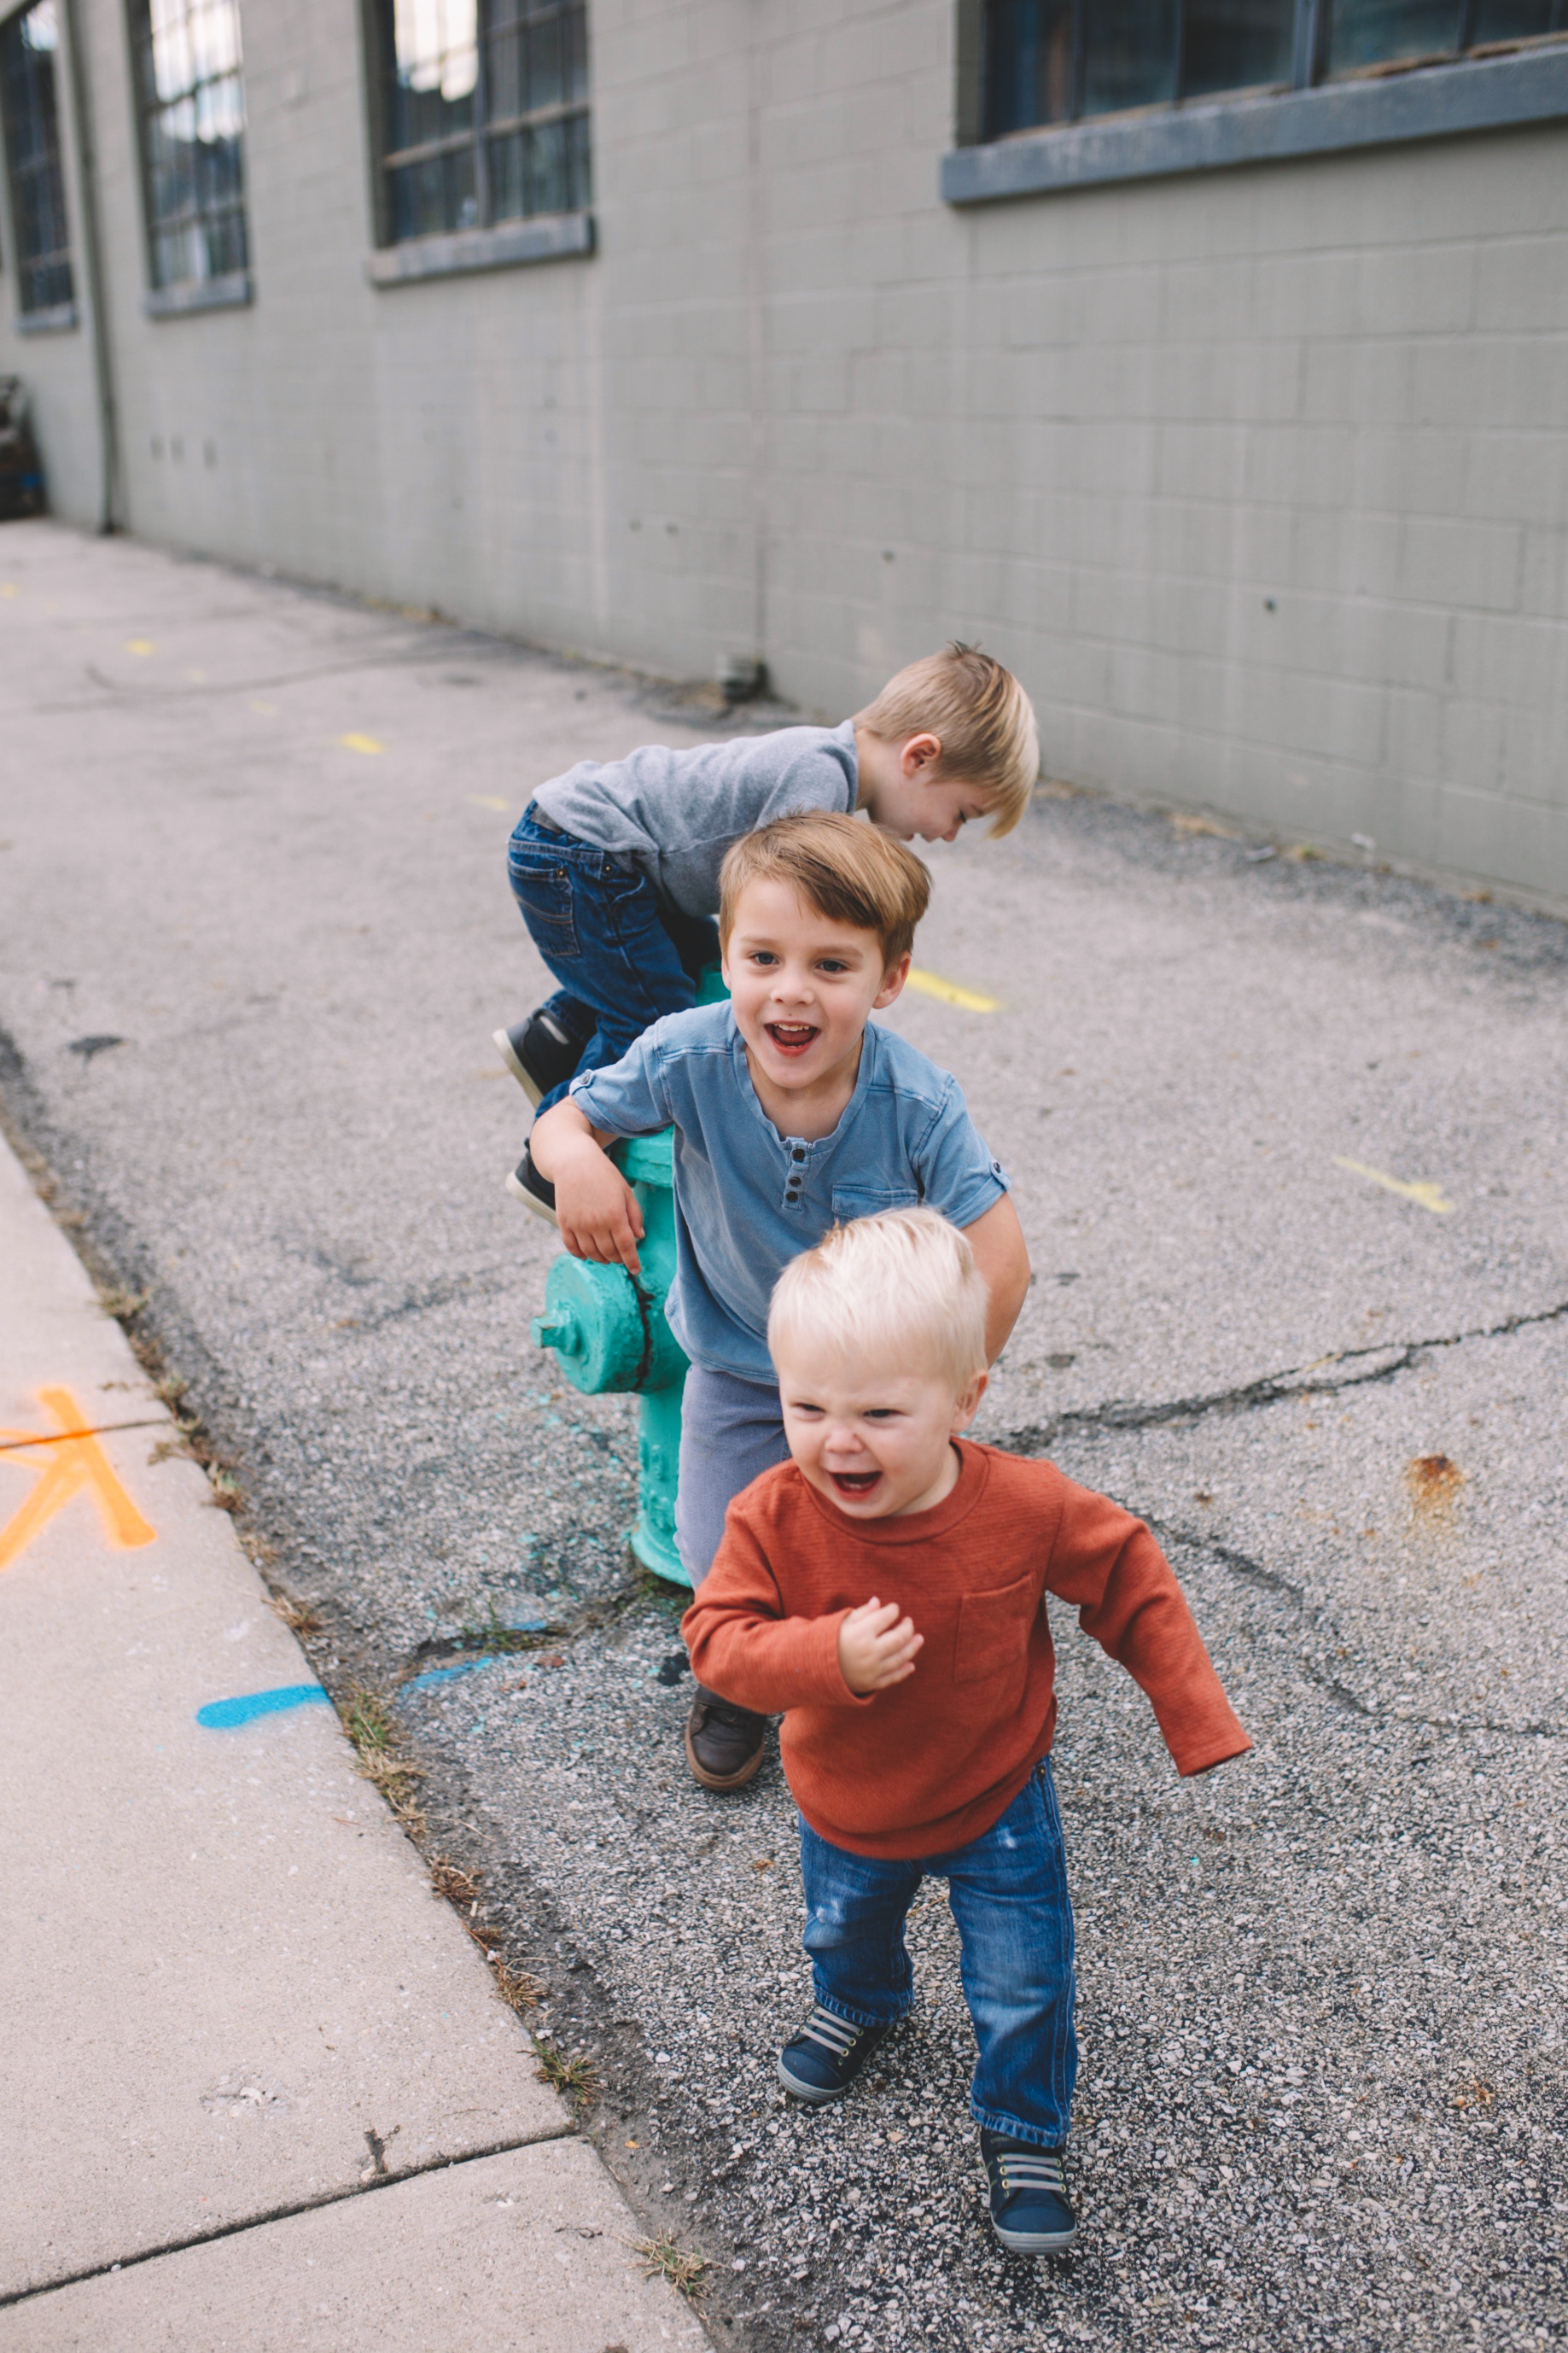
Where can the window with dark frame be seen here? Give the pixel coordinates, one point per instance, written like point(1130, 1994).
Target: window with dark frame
point(1056, 61)
point(191, 100)
point(484, 112)
point(28, 46)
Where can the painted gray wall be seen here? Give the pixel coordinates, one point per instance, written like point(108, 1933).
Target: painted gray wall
point(1256, 476)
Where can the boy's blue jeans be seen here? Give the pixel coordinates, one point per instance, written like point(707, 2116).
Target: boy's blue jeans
point(1008, 1890)
point(621, 958)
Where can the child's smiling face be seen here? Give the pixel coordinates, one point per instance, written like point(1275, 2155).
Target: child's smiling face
point(875, 1440)
point(801, 986)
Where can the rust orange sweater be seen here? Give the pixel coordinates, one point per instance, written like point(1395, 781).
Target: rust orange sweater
point(933, 1761)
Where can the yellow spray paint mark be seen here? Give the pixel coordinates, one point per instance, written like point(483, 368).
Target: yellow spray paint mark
point(360, 744)
point(72, 1459)
point(267, 710)
point(198, 677)
point(140, 646)
point(1426, 1195)
point(488, 800)
point(930, 984)
point(9, 588)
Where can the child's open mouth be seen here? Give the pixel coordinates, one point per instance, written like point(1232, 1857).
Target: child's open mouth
point(792, 1036)
point(855, 1482)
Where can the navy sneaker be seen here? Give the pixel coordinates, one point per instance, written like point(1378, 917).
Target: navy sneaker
point(821, 2060)
point(535, 1192)
point(539, 1054)
point(1030, 2209)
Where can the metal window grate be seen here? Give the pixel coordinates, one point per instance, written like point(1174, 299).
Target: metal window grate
point(1049, 61)
point(28, 45)
point(485, 113)
point(191, 98)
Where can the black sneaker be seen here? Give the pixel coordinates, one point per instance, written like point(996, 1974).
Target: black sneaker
point(535, 1191)
point(821, 2060)
point(723, 1743)
point(1030, 2209)
point(539, 1054)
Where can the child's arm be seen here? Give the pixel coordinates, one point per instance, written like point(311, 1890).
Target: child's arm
point(594, 1206)
point(746, 1648)
point(1003, 1257)
point(1127, 1596)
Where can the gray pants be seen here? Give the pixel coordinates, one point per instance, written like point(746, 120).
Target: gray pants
point(731, 1431)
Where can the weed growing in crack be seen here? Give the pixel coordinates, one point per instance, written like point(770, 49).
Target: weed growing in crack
point(297, 1616)
point(227, 1492)
point(123, 1305)
point(369, 1723)
point(519, 1988)
point(451, 1880)
point(665, 2258)
point(575, 2078)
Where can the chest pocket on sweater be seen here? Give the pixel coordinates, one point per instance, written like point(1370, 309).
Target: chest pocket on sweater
point(994, 1632)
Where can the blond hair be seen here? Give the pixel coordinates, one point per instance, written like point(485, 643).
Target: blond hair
point(902, 1288)
point(848, 872)
point(982, 716)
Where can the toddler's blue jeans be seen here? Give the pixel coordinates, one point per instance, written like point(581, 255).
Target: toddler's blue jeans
point(621, 958)
point(1008, 1890)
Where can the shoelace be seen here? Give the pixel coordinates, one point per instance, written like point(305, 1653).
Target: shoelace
point(1035, 2169)
point(836, 2034)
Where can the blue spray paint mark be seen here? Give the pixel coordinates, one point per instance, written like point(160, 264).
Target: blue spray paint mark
point(223, 1715)
point(446, 1674)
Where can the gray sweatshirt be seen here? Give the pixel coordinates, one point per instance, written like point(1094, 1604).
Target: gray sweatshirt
point(674, 814)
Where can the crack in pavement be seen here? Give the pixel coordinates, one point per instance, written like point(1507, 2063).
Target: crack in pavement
point(1036, 1437)
point(1319, 1615)
point(364, 2188)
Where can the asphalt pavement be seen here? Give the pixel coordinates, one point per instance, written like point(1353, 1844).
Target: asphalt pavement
point(1287, 1142)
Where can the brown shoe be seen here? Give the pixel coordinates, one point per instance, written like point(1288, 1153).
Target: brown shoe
point(723, 1743)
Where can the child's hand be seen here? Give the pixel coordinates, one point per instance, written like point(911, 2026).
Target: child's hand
point(876, 1647)
point(597, 1212)
point(596, 1208)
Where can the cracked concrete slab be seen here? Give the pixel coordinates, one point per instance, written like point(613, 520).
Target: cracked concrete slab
point(527, 2250)
point(227, 1983)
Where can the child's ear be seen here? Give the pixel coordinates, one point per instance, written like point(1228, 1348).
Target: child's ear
point(966, 1407)
point(920, 752)
point(894, 980)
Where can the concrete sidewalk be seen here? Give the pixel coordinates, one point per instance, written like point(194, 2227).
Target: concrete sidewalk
point(256, 2085)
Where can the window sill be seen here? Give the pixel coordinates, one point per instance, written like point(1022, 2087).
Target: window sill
point(231, 293)
point(555, 237)
point(54, 321)
point(1206, 135)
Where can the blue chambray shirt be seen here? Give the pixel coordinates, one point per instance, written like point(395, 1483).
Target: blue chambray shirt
point(748, 1199)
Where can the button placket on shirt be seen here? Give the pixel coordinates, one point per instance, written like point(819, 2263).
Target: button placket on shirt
point(795, 1174)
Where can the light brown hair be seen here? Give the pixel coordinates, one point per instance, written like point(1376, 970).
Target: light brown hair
point(847, 871)
point(982, 717)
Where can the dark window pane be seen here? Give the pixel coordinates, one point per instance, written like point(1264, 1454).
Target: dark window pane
point(509, 193)
point(1376, 32)
point(1518, 20)
point(1128, 54)
point(28, 43)
point(547, 168)
point(582, 174)
point(1028, 64)
point(1236, 44)
point(505, 67)
point(544, 85)
point(576, 25)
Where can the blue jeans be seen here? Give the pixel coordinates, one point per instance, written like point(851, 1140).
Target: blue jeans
point(621, 958)
point(1008, 1890)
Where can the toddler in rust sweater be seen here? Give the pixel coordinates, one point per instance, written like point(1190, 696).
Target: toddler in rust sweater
point(885, 1590)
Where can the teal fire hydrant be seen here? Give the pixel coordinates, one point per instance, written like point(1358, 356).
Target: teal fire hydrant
point(608, 1330)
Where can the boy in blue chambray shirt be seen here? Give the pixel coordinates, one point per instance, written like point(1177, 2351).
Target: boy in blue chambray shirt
point(792, 1112)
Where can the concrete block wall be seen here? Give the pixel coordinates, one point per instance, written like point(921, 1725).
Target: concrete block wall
point(1257, 476)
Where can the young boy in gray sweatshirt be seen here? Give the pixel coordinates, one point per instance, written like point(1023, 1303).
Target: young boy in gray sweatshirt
point(615, 865)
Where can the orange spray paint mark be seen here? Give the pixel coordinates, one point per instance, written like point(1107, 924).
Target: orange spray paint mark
point(71, 1459)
